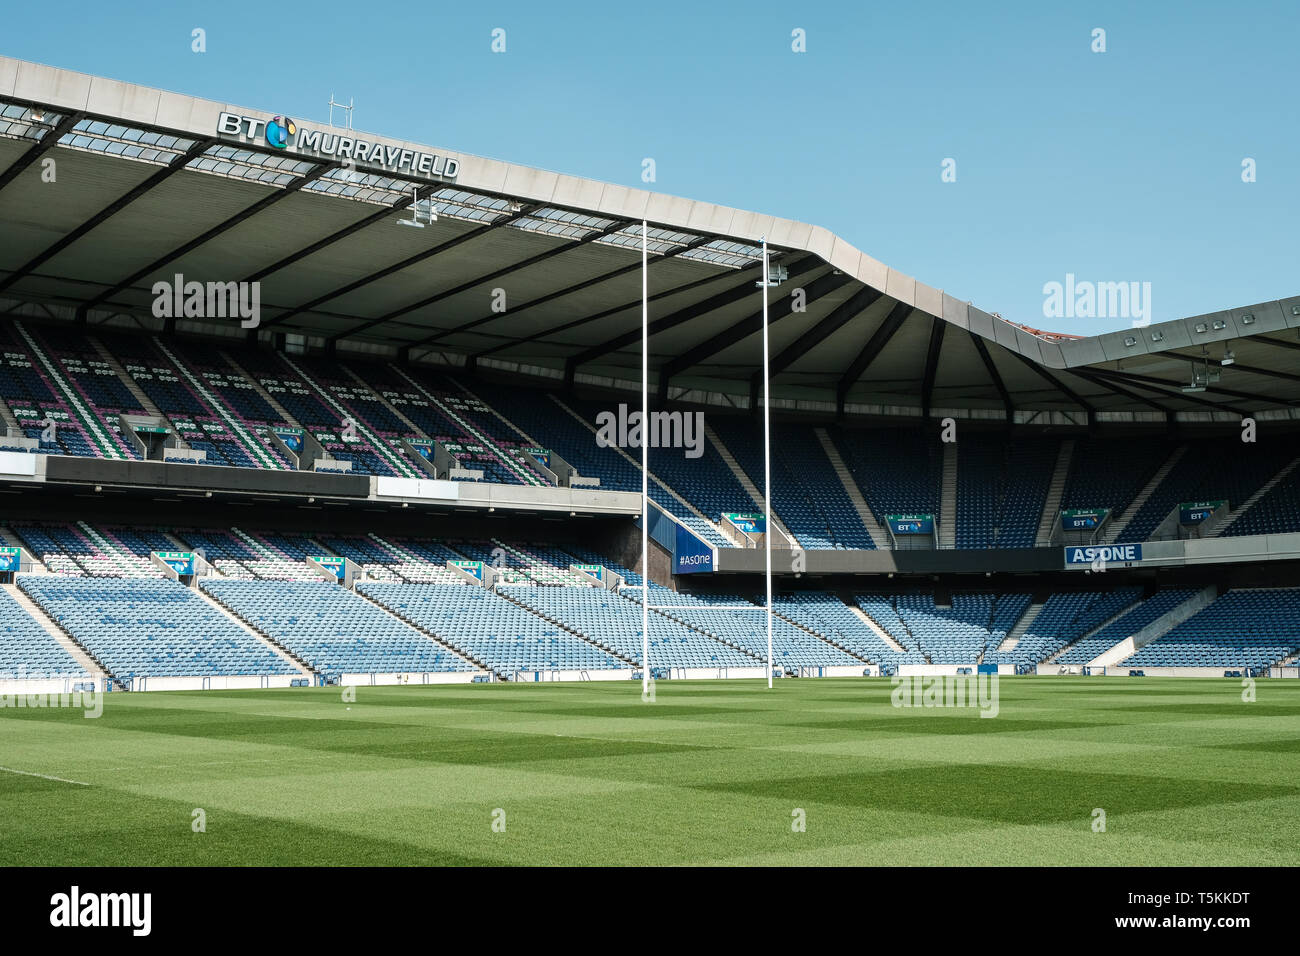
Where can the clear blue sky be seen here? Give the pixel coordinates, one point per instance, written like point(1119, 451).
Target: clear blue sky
point(1115, 166)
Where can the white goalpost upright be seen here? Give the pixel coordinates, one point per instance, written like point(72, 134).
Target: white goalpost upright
point(645, 463)
point(767, 464)
point(764, 282)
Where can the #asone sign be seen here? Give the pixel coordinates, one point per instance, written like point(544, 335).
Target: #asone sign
point(1102, 555)
point(690, 554)
point(280, 132)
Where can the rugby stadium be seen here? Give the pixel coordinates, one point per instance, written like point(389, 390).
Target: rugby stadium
point(316, 445)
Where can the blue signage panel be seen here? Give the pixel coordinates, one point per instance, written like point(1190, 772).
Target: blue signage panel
point(690, 554)
point(911, 524)
point(182, 562)
point(335, 565)
point(470, 567)
point(1082, 519)
point(291, 437)
point(597, 571)
point(1103, 554)
point(9, 558)
point(1196, 512)
point(748, 522)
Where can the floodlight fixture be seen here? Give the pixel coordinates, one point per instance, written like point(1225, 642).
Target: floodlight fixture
point(419, 211)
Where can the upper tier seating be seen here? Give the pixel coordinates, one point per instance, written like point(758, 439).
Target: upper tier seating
point(1111, 472)
point(489, 442)
point(1277, 512)
point(618, 470)
point(806, 493)
point(1001, 487)
point(30, 389)
point(898, 470)
point(1211, 470)
point(214, 393)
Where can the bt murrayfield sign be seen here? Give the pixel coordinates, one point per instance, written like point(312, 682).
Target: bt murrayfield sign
point(280, 132)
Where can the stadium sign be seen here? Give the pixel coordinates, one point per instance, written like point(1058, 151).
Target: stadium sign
point(292, 437)
point(472, 568)
point(690, 554)
point(596, 571)
point(1083, 519)
point(182, 562)
point(911, 524)
point(750, 523)
point(10, 558)
point(335, 566)
point(1196, 512)
point(1101, 556)
point(280, 132)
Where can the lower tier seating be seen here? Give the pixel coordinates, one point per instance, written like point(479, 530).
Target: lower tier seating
point(1245, 628)
point(27, 650)
point(489, 629)
point(332, 629)
point(146, 627)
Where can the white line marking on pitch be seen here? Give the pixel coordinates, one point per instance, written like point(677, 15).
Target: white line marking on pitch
point(44, 776)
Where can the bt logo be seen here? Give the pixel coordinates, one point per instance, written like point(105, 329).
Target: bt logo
point(280, 130)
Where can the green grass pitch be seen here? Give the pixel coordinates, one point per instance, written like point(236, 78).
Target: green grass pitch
point(709, 773)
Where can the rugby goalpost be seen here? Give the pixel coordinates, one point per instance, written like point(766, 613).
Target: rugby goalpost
point(765, 281)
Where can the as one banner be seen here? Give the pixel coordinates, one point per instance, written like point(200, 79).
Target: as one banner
point(1102, 555)
point(690, 554)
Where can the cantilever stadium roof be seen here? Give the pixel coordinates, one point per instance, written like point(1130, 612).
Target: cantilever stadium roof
point(150, 184)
